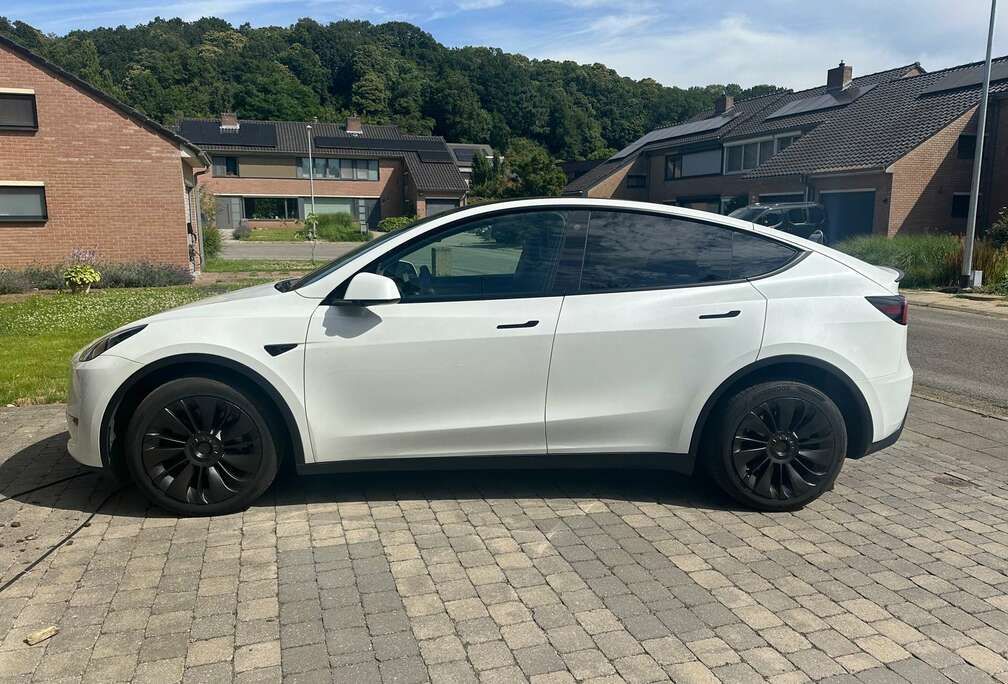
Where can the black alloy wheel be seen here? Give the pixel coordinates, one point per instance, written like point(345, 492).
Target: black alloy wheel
point(197, 446)
point(777, 446)
point(783, 448)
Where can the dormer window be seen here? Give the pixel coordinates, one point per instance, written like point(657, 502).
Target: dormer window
point(17, 110)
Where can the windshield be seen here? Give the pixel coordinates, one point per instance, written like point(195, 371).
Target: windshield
point(747, 213)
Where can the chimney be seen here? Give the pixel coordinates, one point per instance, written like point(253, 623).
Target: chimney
point(353, 125)
point(228, 121)
point(723, 103)
point(838, 78)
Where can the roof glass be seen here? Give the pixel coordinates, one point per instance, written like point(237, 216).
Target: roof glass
point(824, 101)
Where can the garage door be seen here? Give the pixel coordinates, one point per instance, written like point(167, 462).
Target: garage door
point(849, 213)
point(437, 206)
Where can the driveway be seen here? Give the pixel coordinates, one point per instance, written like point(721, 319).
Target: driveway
point(899, 574)
point(324, 251)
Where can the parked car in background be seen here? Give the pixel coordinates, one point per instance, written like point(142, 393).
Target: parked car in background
point(805, 219)
point(548, 332)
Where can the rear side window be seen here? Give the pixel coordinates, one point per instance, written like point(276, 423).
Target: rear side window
point(755, 256)
point(627, 251)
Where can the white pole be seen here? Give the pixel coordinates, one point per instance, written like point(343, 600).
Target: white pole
point(967, 264)
point(311, 186)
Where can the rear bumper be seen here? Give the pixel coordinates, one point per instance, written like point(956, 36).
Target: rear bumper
point(888, 441)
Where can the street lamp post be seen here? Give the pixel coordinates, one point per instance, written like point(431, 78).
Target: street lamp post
point(966, 278)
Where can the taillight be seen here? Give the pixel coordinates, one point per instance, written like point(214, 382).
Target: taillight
point(893, 306)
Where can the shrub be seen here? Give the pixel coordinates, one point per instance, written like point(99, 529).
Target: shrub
point(13, 282)
point(80, 277)
point(338, 228)
point(242, 232)
point(211, 241)
point(997, 234)
point(45, 277)
point(393, 223)
point(144, 274)
point(928, 260)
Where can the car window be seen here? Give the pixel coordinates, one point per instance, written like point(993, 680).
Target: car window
point(754, 256)
point(770, 219)
point(796, 216)
point(816, 215)
point(627, 251)
point(504, 255)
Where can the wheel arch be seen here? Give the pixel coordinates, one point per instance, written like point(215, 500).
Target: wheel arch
point(822, 375)
point(124, 401)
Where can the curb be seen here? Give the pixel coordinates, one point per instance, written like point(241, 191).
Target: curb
point(956, 405)
point(960, 309)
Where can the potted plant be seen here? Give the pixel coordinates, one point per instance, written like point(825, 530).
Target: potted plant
point(80, 277)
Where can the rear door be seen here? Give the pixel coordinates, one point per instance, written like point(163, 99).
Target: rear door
point(662, 315)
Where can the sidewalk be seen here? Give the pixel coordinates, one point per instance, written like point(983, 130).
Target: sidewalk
point(978, 304)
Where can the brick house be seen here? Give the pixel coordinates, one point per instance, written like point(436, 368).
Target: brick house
point(80, 170)
point(260, 170)
point(885, 153)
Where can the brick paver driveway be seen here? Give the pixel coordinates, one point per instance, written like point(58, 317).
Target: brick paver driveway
point(899, 574)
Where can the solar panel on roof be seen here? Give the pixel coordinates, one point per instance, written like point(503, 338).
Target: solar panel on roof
point(679, 131)
point(965, 78)
point(248, 133)
point(353, 142)
point(819, 102)
point(464, 154)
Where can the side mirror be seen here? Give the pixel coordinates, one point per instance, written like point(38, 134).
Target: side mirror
point(817, 236)
point(369, 288)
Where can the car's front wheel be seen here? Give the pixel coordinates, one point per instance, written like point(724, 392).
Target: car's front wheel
point(777, 446)
point(197, 446)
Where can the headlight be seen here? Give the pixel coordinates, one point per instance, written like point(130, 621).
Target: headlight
point(109, 341)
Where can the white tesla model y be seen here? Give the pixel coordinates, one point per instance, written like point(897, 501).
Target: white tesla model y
point(547, 332)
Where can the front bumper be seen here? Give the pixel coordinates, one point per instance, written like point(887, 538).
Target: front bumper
point(92, 385)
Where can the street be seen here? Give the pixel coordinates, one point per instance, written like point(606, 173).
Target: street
point(960, 357)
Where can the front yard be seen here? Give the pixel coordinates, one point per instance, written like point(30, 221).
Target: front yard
point(39, 333)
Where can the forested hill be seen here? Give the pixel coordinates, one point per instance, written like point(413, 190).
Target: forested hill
point(388, 73)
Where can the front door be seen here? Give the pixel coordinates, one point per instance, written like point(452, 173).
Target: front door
point(664, 313)
point(459, 365)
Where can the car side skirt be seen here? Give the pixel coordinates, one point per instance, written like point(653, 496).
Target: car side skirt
point(678, 463)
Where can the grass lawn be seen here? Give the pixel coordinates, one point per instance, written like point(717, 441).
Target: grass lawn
point(275, 235)
point(221, 265)
point(38, 335)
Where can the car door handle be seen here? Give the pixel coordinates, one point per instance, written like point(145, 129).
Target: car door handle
point(526, 324)
point(727, 314)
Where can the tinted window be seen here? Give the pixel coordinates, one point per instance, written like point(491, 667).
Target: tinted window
point(505, 255)
point(628, 251)
point(771, 218)
point(816, 215)
point(796, 215)
point(754, 256)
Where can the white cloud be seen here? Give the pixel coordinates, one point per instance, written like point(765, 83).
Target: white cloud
point(478, 4)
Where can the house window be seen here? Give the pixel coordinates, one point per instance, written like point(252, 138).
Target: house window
point(960, 204)
point(17, 111)
point(636, 180)
point(746, 156)
point(271, 208)
point(785, 141)
point(966, 149)
point(225, 166)
point(684, 165)
point(345, 169)
point(23, 203)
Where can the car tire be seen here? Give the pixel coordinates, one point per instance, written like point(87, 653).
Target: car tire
point(777, 446)
point(198, 446)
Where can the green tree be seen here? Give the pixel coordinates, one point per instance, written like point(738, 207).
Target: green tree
point(534, 173)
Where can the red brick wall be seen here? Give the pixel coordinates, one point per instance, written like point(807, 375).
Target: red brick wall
point(111, 185)
point(925, 179)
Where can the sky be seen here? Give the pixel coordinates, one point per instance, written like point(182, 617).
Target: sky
point(676, 42)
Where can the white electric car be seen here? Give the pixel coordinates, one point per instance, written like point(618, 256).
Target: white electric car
point(546, 332)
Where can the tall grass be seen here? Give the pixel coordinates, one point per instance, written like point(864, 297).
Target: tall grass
point(928, 260)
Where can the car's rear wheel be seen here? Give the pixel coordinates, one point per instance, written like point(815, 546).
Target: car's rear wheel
point(777, 446)
point(197, 446)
